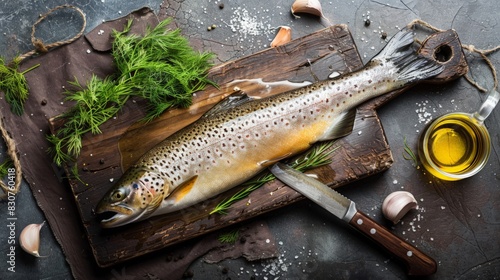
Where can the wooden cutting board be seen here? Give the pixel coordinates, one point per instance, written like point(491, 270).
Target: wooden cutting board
point(362, 153)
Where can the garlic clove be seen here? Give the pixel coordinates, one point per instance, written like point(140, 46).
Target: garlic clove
point(397, 204)
point(308, 7)
point(29, 239)
point(284, 36)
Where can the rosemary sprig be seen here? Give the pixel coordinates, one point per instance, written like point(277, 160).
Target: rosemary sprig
point(225, 204)
point(410, 155)
point(14, 84)
point(318, 156)
point(159, 67)
point(229, 237)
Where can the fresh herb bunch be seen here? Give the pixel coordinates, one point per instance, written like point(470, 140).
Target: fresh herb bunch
point(14, 84)
point(159, 67)
point(96, 103)
point(318, 156)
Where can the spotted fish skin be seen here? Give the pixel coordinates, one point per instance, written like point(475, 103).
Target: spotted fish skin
point(229, 145)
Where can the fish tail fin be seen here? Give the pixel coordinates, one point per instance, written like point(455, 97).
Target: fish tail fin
point(411, 66)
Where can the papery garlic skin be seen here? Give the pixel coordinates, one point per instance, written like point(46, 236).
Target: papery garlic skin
point(397, 204)
point(284, 36)
point(307, 6)
point(29, 239)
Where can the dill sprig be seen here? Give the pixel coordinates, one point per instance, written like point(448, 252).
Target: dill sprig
point(14, 84)
point(5, 166)
point(96, 103)
point(318, 156)
point(160, 67)
point(409, 152)
point(229, 237)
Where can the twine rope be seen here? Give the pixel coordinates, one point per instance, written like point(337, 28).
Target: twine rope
point(11, 151)
point(41, 48)
point(470, 48)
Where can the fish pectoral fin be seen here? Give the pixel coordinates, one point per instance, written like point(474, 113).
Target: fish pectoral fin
point(153, 205)
point(269, 162)
point(229, 102)
point(342, 126)
point(183, 189)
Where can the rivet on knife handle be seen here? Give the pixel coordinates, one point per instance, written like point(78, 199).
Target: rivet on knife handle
point(418, 263)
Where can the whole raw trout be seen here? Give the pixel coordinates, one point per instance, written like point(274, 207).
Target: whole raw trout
point(241, 136)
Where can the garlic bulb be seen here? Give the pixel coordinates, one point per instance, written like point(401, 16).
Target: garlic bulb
point(397, 204)
point(307, 6)
point(284, 36)
point(30, 239)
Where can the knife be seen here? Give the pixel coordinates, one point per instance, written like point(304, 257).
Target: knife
point(417, 263)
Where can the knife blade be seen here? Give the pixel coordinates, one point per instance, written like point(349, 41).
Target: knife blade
point(417, 262)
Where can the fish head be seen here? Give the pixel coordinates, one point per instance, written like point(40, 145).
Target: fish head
point(133, 198)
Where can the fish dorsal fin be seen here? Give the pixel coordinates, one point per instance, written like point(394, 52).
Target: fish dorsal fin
point(153, 205)
point(233, 100)
point(341, 127)
point(183, 189)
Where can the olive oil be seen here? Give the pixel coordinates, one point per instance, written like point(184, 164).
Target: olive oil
point(455, 146)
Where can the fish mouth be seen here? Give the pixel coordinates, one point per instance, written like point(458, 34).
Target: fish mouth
point(109, 218)
point(114, 216)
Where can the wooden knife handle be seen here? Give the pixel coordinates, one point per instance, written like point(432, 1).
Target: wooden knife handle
point(418, 263)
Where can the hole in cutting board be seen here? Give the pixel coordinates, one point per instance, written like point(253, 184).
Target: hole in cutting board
point(443, 53)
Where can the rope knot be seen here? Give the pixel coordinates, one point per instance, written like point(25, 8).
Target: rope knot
point(40, 46)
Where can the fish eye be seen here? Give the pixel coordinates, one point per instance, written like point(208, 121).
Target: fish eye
point(119, 195)
point(135, 186)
